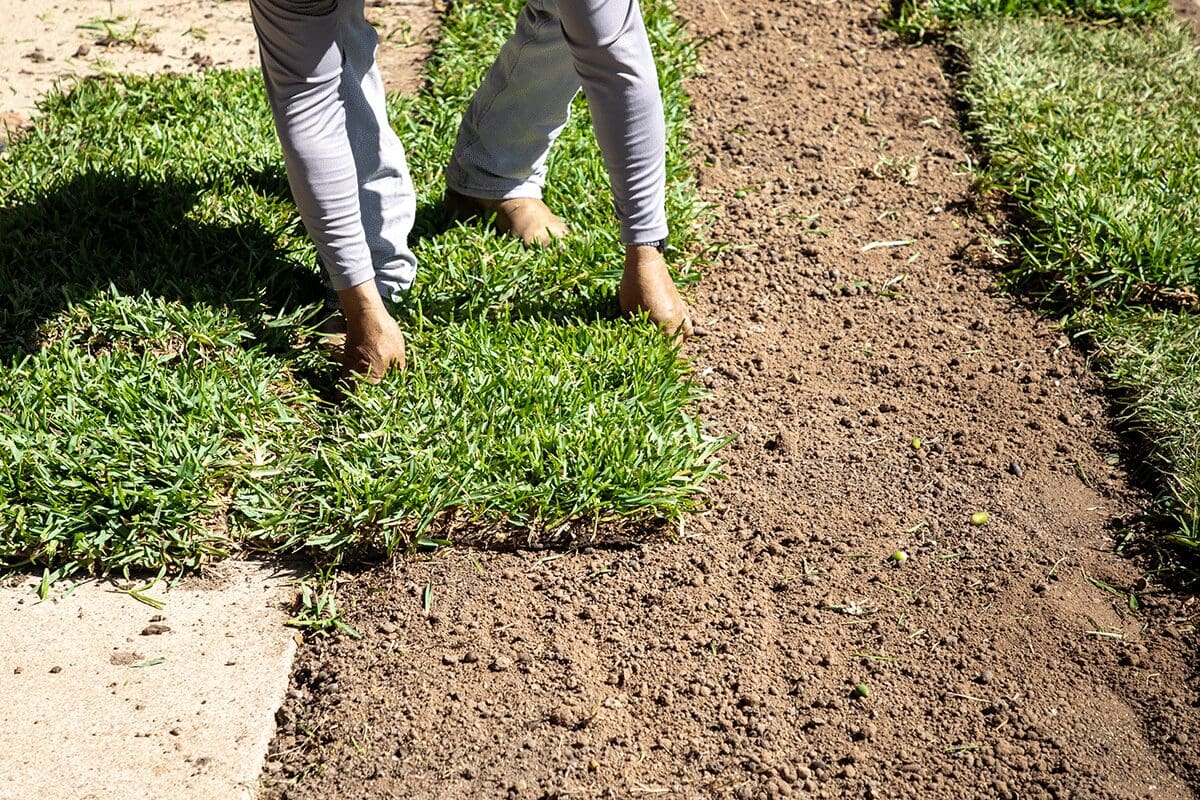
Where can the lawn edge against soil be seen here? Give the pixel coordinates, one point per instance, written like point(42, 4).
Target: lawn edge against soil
point(1104, 206)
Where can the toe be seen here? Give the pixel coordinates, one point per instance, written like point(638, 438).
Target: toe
point(686, 329)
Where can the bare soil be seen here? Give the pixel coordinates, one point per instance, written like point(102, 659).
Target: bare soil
point(1189, 11)
point(724, 663)
point(43, 44)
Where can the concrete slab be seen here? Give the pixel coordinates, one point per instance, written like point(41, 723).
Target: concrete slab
point(95, 704)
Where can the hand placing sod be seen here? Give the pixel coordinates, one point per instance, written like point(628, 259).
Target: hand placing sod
point(646, 284)
point(374, 344)
point(350, 179)
point(525, 218)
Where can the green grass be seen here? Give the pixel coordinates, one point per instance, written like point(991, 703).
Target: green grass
point(161, 397)
point(1094, 132)
point(1089, 132)
point(935, 17)
point(1152, 358)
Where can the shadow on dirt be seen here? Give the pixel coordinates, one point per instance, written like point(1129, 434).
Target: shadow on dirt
point(612, 535)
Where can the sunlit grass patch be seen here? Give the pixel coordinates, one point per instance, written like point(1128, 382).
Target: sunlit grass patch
point(936, 17)
point(1152, 359)
point(162, 400)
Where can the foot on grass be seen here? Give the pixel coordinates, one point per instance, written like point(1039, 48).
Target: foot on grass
point(647, 286)
point(525, 218)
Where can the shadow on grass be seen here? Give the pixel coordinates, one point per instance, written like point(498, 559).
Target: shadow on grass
point(581, 536)
point(139, 235)
point(142, 236)
point(533, 283)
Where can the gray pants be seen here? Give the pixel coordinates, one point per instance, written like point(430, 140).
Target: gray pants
point(347, 168)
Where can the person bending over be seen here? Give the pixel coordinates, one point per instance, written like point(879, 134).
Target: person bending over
point(348, 174)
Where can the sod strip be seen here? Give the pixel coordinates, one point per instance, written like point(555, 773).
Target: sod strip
point(160, 387)
point(1153, 359)
point(1093, 132)
point(922, 18)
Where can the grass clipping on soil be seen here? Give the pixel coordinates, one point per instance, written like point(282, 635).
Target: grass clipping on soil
point(160, 387)
point(1093, 132)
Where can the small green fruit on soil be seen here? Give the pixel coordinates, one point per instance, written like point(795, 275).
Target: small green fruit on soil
point(916, 444)
point(861, 690)
point(899, 557)
point(979, 518)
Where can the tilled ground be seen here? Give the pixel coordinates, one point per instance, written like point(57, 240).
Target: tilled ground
point(725, 663)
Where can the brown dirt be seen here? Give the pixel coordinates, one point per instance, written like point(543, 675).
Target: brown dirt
point(723, 664)
point(46, 43)
point(1189, 11)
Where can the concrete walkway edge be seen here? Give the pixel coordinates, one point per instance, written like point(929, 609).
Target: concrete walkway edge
point(103, 696)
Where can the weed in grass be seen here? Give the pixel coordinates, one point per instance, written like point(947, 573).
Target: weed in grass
point(116, 31)
point(318, 612)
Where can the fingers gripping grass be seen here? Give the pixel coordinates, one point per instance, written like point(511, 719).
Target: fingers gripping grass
point(160, 392)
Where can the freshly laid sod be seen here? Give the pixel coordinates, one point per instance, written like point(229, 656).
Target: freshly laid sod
point(1094, 132)
point(1091, 130)
point(1152, 358)
point(924, 17)
point(162, 398)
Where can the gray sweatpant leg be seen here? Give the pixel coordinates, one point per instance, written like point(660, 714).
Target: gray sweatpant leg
point(345, 165)
point(523, 103)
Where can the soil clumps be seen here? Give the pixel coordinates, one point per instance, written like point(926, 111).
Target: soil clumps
point(883, 394)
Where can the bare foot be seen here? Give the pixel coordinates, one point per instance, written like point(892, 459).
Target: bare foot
point(525, 218)
point(374, 344)
point(647, 286)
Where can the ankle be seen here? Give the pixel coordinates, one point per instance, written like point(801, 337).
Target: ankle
point(640, 256)
point(363, 308)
